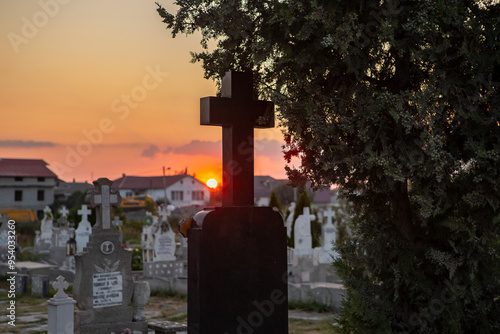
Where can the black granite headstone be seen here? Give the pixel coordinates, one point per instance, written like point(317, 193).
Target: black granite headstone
point(237, 267)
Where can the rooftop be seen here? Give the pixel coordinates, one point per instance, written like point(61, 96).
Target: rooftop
point(147, 182)
point(25, 168)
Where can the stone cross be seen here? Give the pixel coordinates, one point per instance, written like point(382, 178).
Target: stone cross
point(60, 284)
point(84, 212)
point(238, 114)
point(63, 211)
point(103, 198)
point(307, 213)
point(329, 214)
point(163, 213)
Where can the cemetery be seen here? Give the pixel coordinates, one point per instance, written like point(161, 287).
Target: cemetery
point(232, 258)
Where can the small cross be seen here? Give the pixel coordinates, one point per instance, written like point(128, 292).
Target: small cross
point(117, 222)
point(238, 114)
point(63, 211)
point(307, 214)
point(103, 198)
point(47, 211)
point(329, 214)
point(84, 212)
point(163, 212)
point(60, 284)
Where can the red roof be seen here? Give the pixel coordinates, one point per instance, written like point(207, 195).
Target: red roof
point(147, 182)
point(25, 168)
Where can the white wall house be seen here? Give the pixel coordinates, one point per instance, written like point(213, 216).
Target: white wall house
point(26, 184)
point(182, 190)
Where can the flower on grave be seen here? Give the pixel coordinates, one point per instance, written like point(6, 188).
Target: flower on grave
point(127, 331)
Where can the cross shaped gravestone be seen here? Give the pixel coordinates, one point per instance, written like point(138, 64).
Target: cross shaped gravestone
point(85, 213)
point(117, 222)
point(238, 114)
point(103, 198)
point(163, 212)
point(63, 211)
point(60, 285)
point(244, 244)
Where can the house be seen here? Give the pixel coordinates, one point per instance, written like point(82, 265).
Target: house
point(26, 184)
point(65, 189)
point(181, 190)
point(264, 185)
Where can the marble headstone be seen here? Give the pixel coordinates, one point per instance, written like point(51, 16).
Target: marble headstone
point(84, 229)
point(302, 232)
point(328, 236)
point(103, 285)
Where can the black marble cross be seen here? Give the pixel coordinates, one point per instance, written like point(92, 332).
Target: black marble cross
point(238, 114)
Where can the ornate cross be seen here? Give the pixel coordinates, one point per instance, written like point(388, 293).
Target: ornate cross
point(63, 211)
point(85, 213)
point(238, 114)
point(163, 213)
point(103, 198)
point(60, 284)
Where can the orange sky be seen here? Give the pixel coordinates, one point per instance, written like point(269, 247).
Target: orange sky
point(99, 88)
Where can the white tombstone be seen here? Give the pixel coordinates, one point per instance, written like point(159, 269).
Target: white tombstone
point(289, 220)
point(302, 233)
point(328, 236)
point(61, 313)
point(84, 229)
point(63, 211)
point(148, 237)
point(164, 243)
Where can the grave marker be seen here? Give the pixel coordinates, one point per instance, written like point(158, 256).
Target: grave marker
point(103, 285)
point(84, 229)
point(237, 253)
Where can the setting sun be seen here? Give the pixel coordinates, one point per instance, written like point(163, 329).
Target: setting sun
point(212, 183)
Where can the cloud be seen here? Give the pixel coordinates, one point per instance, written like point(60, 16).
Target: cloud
point(198, 147)
point(25, 143)
point(150, 152)
point(263, 147)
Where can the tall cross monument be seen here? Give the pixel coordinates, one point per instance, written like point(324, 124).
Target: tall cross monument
point(243, 244)
point(238, 114)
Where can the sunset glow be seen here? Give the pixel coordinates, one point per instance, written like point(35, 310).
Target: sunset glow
point(212, 183)
point(98, 89)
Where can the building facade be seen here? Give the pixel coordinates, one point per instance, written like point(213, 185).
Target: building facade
point(181, 190)
point(26, 184)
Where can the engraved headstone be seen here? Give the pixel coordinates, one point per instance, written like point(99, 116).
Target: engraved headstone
point(103, 284)
point(84, 229)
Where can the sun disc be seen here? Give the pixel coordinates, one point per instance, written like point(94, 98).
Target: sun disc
point(212, 183)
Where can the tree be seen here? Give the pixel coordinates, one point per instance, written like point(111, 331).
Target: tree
point(397, 104)
point(274, 202)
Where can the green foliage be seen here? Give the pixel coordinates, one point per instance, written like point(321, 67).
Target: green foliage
point(137, 259)
point(398, 104)
point(274, 201)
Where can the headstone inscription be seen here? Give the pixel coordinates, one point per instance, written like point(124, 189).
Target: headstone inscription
point(103, 284)
point(244, 244)
point(84, 229)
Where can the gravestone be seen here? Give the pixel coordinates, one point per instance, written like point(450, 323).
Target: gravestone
point(103, 285)
point(328, 237)
point(237, 253)
point(40, 285)
point(289, 219)
point(84, 229)
point(43, 239)
point(63, 211)
point(117, 223)
point(148, 237)
point(60, 313)
point(302, 233)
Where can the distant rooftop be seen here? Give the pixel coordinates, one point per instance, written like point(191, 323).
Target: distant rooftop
point(147, 182)
point(25, 168)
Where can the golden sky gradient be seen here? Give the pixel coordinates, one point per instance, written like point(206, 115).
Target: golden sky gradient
point(100, 88)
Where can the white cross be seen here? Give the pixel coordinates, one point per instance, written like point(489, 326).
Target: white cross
point(329, 214)
point(84, 212)
point(105, 199)
point(63, 211)
point(60, 284)
point(306, 213)
point(117, 222)
point(163, 212)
